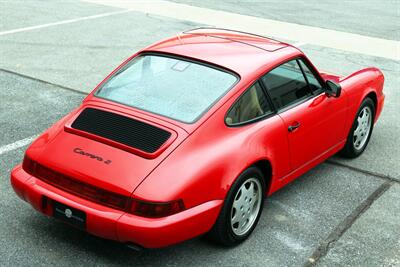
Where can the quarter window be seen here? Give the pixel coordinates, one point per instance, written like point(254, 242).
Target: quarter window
point(251, 105)
point(286, 84)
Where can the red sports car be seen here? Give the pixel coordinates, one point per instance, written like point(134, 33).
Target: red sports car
point(190, 134)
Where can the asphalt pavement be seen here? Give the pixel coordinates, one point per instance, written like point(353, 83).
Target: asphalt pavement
point(341, 213)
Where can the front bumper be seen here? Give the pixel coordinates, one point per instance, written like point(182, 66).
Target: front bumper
point(118, 225)
point(381, 102)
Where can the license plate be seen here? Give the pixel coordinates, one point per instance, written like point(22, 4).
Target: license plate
point(69, 215)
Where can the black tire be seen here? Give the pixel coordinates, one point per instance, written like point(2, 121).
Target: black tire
point(350, 150)
point(222, 231)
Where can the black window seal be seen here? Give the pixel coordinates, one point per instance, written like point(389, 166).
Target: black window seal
point(178, 57)
point(304, 76)
point(301, 101)
point(268, 96)
point(297, 103)
point(276, 110)
point(256, 119)
point(317, 77)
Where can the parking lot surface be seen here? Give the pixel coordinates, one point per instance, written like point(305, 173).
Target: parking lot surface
point(343, 212)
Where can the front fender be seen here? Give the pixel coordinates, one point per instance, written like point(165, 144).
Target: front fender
point(358, 86)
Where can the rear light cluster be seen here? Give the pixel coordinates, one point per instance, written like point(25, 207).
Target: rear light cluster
point(154, 210)
point(101, 196)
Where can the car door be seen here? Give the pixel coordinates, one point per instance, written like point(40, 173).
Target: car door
point(314, 121)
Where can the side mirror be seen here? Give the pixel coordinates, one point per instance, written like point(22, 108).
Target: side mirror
point(332, 88)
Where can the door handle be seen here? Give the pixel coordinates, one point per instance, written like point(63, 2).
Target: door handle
point(291, 128)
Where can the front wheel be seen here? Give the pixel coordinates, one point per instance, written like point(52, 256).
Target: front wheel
point(241, 210)
point(361, 130)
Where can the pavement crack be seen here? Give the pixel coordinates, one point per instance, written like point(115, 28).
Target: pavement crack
point(342, 227)
point(42, 81)
point(375, 174)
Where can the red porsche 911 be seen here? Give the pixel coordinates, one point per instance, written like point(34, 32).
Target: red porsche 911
point(189, 135)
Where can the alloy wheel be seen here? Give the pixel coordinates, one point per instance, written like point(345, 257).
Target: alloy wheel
point(246, 206)
point(361, 133)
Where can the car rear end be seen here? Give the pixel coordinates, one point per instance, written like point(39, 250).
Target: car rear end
point(88, 183)
point(112, 223)
point(85, 168)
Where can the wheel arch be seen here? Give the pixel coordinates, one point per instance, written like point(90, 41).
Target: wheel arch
point(264, 165)
point(374, 97)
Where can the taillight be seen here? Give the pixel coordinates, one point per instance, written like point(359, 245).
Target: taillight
point(28, 165)
point(155, 209)
point(101, 196)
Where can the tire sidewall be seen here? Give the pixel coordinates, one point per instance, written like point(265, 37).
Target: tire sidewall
point(251, 172)
point(367, 102)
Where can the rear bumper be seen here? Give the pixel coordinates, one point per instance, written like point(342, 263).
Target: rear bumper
point(117, 225)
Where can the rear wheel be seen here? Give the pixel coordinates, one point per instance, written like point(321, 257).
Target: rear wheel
point(241, 210)
point(361, 130)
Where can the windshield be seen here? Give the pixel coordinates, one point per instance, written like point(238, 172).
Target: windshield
point(172, 87)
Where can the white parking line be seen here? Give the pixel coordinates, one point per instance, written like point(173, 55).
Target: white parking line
point(299, 33)
point(17, 144)
point(63, 22)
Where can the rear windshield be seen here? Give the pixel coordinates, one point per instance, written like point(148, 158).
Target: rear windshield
point(171, 87)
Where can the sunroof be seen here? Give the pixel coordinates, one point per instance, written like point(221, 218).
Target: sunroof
point(261, 42)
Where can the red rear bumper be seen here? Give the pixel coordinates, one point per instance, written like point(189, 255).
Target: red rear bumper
point(117, 225)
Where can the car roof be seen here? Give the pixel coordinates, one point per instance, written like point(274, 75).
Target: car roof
point(238, 51)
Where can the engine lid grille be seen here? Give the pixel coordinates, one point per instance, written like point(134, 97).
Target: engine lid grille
point(124, 130)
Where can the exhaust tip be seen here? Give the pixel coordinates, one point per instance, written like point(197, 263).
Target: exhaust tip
point(135, 247)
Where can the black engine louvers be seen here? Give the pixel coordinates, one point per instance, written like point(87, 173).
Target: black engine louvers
point(121, 129)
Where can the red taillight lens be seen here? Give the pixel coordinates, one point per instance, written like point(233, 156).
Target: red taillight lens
point(154, 209)
point(101, 196)
point(28, 165)
point(74, 186)
point(81, 189)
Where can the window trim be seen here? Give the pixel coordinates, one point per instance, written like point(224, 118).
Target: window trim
point(292, 105)
point(259, 118)
point(274, 110)
point(177, 57)
point(317, 77)
point(313, 70)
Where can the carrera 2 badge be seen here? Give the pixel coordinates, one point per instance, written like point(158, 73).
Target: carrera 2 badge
point(80, 151)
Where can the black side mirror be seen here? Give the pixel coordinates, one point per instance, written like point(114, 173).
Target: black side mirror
point(332, 88)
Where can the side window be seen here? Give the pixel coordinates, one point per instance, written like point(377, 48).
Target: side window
point(252, 104)
point(315, 85)
point(286, 84)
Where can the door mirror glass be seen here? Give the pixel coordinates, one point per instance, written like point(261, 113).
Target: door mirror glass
point(333, 89)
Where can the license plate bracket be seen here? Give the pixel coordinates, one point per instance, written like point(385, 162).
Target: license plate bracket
point(69, 215)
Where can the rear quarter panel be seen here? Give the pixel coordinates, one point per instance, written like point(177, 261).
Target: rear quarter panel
point(207, 163)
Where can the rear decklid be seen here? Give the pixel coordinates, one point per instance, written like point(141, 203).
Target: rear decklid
point(110, 149)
